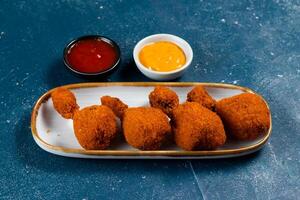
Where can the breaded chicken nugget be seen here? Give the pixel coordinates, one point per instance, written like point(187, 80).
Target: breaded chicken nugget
point(197, 128)
point(163, 98)
point(95, 127)
point(245, 116)
point(199, 94)
point(146, 128)
point(64, 102)
point(143, 128)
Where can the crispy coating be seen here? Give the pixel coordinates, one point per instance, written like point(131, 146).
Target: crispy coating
point(146, 128)
point(95, 127)
point(117, 106)
point(164, 99)
point(64, 102)
point(197, 128)
point(245, 116)
point(199, 94)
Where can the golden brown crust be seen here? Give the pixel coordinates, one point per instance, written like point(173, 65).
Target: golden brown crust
point(245, 116)
point(64, 102)
point(117, 106)
point(95, 127)
point(146, 128)
point(199, 94)
point(197, 128)
point(163, 98)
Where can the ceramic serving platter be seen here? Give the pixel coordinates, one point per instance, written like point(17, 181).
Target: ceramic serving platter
point(55, 134)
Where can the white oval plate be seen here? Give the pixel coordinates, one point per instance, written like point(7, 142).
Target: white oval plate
point(55, 134)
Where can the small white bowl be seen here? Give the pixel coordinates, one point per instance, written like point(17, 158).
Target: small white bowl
point(163, 76)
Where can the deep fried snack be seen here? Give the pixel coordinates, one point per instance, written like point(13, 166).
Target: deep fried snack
point(164, 99)
point(146, 128)
point(245, 116)
point(199, 94)
point(64, 102)
point(197, 128)
point(115, 104)
point(95, 127)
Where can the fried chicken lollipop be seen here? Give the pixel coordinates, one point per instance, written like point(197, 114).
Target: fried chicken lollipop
point(199, 94)
point(197, 128)
point(164, 99)
point(95, 127)
point(144, 128)
point(64, 102)
point(245, 116)
point(117, 106)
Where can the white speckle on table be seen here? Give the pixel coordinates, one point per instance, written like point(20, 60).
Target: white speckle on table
point(272, 54)
point(1, 34)
point(196, 179)
point(235, 81)
point(279, 75)
point(236, 22)
point(27, 169)
point(196, 67)
point(222, 81)
point(230, 74)
point(223, 20)
point(273, 155)
point(17, 83)
point(101, 7)
point(8, 121)
point(98, 17)
point(143, 177)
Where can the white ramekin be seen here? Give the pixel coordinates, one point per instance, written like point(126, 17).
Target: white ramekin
point(163, 76)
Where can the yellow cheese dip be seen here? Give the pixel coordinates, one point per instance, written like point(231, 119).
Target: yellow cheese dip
point(162, 56)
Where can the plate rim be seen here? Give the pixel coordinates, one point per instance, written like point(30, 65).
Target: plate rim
point(138, 153)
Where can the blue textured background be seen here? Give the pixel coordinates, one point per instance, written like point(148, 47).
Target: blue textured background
point(250, 43)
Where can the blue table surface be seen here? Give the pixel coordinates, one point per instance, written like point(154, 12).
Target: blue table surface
point(250, 43)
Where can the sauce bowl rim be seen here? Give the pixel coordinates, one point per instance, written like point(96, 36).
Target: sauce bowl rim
point(138, 47)
point(101, 37)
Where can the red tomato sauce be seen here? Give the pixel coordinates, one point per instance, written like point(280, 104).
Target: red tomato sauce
point(92, 56)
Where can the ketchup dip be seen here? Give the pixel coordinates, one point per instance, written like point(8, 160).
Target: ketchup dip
point(92, 55)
